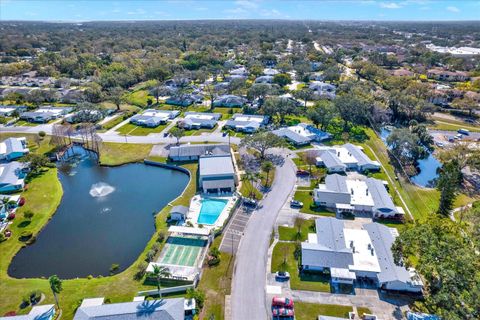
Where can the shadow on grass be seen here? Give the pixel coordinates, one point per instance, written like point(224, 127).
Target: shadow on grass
point(24, 223)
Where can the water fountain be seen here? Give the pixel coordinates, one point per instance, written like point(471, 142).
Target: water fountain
point(101, 189)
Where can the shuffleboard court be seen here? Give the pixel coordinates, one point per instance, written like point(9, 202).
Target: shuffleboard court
point(182, 251)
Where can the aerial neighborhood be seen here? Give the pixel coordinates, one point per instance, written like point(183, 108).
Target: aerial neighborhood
point(239, 169)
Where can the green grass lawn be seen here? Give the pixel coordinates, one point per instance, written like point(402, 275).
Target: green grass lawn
point(308, 205)
point(134, 130)
point(43, 197)
point(216, 284)
point(248, 190)
point(290, 233)
point(112, 123)
point(363, 310)
point(310, 281)
point(23, 123)
point(311, 311)
point(198, 132)
point(139, 98)
point(112, 154)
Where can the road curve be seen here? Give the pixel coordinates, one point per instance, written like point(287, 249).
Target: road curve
point(249, 280)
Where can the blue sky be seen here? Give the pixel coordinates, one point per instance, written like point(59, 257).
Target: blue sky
point(76, 10)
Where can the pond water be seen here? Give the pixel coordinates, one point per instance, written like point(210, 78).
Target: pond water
point(106, 217)
point(428, 166)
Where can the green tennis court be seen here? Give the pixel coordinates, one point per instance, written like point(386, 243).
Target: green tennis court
point(182, 251)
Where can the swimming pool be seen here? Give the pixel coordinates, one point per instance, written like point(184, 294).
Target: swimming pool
point(210, 210)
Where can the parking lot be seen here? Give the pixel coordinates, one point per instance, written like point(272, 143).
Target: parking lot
point(234, 230)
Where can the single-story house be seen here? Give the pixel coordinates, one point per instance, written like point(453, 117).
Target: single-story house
point(317, 76)
point(184, 100)
point(153, 118)
point(445, 75)
point(344, 158)
point(323, 89)
point(246, 122)
point(239, 71)
point(37, 117)
point(171, 309)
point(13, 148)
point(178, 213)
point(350, 254)
point(217, 174)
point(12, 176)
point(43, 312)
point(7, 111)
point(270, 72)
point(198, 120)
point(302, 134)
point(188, 152)
point(264, 79)
point(356, 196)
point(230, 101)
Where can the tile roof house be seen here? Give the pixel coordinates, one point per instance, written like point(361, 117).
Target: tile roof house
point(165, 309)
point(188, 152)
point(12, 176)
point(13, 148)
point(352, 253)
point(356, 196)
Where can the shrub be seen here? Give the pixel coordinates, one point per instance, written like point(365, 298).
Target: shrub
point(199, 297)
point(213, 262)
point(89, 277)
point(35, 296)
point(114, 268)
point(42, 134)
point(25, 235)
point(156, 247)
point(28, 214)
point(141, 269)
point(150, 255)
point(161, 236)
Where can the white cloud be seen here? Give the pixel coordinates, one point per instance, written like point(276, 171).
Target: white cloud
point(246, 4)
point(453, 9)
point(390, 5)
point(236, 11)
point(138, 11)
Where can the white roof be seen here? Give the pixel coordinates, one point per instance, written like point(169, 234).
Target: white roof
point(363, 258)
point(361, 195)
point(342, 273)
point(90, 302)
point(189, 230)
point(247, 117)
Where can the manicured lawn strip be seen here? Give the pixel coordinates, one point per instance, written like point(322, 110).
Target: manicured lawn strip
point(247, 188)
point(310, 282)
point(133, 130)
point(308, 205)
point(290, 233)
point(198, 132)
point(23, 123)
point(216, 284)
point(271, 178)
point(139, 98)
point(112, 123)
point(119, 288)
point(112, 154)
point(311, 311)
point(452, 127)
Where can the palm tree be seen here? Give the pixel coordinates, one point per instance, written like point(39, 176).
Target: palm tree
point(56, 286)
point(160, 272)
point(267, 166)
point(251, 177)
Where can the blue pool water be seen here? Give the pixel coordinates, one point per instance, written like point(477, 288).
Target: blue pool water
point(210, 210)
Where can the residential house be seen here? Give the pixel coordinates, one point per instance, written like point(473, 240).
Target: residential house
point(153, 118)
point(7, 111)
point(12, 176)
point(217, 174)
point(43, 312)
point(230, 101)
point(37, 117)
point(322, 89)
point(164, 309)
point(246, 122)
point(356, 196)
point(13, 148)
point(198, 120)
point(189, 152)
point(184, 100)
point(302, 134)
point(345, 158)
point(270, 72)
point(239, 71)
point(264, 79)
point(445, 75)
point(350, 254)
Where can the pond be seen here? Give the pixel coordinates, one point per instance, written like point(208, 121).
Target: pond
point(106, 217)
point(427, 167)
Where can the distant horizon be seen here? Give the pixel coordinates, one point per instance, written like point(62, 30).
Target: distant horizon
point(188, 10)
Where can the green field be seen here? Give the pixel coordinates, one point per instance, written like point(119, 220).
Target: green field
point(134, 130)
point(311, 311)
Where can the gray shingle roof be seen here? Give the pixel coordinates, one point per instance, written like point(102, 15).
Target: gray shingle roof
point(9, 172)
point(13, 145)
point(291, 135)
point(336, 183)
point(382, 240)
point(179, 209)
point(216, 165)
point(361, 157)
point(197, 150)
point(380, 195)
point(166, 309)
point(331, 160)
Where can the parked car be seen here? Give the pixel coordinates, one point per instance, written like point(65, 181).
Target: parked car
point(463, 131)
point(296, 204)
point(224, 134)
point(282, 275)
point(250, 202)
point(282, 312)
point(282, 302)
point(302, 173)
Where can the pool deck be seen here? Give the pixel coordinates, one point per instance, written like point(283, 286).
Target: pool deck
point(196, 205)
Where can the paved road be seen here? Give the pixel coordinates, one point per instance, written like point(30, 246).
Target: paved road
point(115, 137)
point(249, 281)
